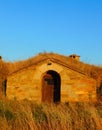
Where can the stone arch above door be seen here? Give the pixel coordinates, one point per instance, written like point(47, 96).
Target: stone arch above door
point(50, 66)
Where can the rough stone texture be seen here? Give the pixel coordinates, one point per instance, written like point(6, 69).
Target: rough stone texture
point(27, 83)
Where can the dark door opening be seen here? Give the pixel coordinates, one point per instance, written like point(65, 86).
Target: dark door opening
point(4, 85)
point(99, 92)
point(51, 87)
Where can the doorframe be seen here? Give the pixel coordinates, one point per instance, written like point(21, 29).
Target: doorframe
point(53, 73)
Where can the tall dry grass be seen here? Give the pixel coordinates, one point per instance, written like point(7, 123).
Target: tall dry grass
point(27, 115)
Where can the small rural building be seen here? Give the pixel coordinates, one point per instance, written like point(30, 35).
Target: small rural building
point(50, 77)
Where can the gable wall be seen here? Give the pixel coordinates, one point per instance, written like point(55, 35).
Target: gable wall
point(27, 84)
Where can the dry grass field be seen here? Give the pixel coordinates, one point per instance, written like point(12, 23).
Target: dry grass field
point(26, 115)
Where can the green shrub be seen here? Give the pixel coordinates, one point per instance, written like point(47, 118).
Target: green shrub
point(38, 114)
point(9, 115)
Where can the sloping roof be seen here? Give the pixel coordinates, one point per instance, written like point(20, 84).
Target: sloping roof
point(57, 58)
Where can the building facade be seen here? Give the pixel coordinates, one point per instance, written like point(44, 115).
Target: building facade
point(51, 79)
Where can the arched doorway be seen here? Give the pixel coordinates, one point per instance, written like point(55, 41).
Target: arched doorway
point(51, 87)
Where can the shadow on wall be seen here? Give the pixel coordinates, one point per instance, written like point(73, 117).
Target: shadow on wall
point(99, 92)
point(4, 86)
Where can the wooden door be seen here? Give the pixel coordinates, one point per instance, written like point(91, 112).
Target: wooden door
point(47, 88)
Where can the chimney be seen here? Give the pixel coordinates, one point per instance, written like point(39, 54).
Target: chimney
point(74, 56)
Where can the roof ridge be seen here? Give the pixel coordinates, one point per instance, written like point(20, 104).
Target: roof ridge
point(53, 59)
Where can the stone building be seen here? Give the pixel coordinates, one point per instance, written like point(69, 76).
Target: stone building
point(50, 77)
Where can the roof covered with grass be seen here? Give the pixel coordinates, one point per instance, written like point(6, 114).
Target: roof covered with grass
point(66, 61)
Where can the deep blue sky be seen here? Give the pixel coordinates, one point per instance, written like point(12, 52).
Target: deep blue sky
point(28, 27)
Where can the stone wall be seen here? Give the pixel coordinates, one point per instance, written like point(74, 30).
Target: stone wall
point(27, 83)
